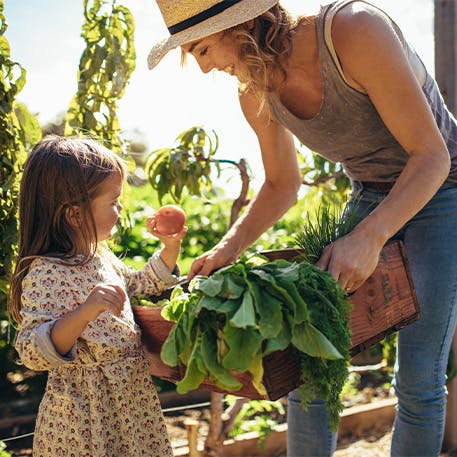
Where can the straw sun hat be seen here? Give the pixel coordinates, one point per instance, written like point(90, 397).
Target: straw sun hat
point(190, 20)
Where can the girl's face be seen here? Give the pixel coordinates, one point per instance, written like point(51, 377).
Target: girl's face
point(106, 206)
point(216, 52)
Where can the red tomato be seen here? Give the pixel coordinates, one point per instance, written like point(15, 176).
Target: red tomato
point(170, 219)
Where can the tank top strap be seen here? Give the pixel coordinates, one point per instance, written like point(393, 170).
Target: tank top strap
point(327, 18)
point(327, 29)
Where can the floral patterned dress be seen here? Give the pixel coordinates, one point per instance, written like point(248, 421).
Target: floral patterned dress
point(99, 399)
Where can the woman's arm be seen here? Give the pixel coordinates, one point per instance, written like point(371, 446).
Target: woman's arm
point(373, 60)
point(277, 194)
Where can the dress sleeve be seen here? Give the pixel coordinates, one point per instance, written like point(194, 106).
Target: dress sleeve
point(153, 279)
point(45, 298)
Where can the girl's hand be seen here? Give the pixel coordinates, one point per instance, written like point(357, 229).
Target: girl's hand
point(350, 260)
point(170, 241)
point(103, 297)
point(67, 329)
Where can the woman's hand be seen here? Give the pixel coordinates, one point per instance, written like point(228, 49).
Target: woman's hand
point(350, 260)
point(220, 256)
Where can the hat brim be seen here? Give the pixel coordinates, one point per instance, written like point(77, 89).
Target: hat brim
point(237, 14)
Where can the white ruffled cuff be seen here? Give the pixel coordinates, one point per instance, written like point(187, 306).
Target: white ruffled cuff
point(162, 271)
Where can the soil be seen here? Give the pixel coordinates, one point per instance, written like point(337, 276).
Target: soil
point(373, 444)
point(376, 444)
point(370, 387)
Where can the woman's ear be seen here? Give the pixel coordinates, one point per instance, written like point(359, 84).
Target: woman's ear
point(250, 24)
point(73, 216)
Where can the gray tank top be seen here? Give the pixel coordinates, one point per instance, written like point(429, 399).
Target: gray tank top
point(347, 128)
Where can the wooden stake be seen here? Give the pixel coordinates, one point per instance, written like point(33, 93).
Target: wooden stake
point(192, 427)
point(446, 77)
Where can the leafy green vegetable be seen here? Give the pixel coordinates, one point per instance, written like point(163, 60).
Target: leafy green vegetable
point(247, 311)
point(245, 316)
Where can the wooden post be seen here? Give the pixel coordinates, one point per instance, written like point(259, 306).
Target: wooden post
point(446, 51)
point(446, 76)
point(192, 437)
point(450, 432)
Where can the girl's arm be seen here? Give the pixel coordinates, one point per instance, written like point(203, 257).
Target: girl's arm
point(50, 326)
point(374, 61)
point(161, 270)
point(277, 194)
point(67, 329)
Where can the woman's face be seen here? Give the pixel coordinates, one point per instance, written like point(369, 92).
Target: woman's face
point(216, 52)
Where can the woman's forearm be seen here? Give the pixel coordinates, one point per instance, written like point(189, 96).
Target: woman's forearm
point(419, 181)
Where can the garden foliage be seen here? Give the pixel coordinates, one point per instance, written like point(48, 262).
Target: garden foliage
point(18, 130)
point(105, 67)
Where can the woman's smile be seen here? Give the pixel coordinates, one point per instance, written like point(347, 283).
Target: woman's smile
point(230, 69)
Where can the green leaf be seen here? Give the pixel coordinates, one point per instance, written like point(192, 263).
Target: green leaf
point(269, 310)
point(169, 351)
point(210, 286)
point(192, 378)
point(243, 344)
point(209, 303)
point(233, 286)
point(283, 339)
point(257, 371)
point(195, 373)
point(245, 316)
point(281, 292)
point(301, 309)
point(176, 305)
point(229, 307)
point(29, 124)
point(218, 374)
point(308, 339)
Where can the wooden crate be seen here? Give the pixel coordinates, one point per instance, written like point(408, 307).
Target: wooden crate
point(384, 304)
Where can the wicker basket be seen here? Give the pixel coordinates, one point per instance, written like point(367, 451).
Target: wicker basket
point(384, 304)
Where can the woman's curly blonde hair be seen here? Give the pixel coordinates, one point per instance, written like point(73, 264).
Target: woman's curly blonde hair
point(264, 47)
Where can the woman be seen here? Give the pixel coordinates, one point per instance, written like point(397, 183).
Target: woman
point(347, 85)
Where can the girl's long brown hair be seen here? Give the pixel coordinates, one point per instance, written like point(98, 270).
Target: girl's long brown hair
point(59, 174)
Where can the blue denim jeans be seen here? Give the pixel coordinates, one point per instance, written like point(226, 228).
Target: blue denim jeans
point(430, 240)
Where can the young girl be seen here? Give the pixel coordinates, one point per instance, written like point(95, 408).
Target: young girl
point(70, 295)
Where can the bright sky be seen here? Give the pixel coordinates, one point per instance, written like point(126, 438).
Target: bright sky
point(45, 39)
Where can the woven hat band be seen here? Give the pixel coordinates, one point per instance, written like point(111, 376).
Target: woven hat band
point(200, 17)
